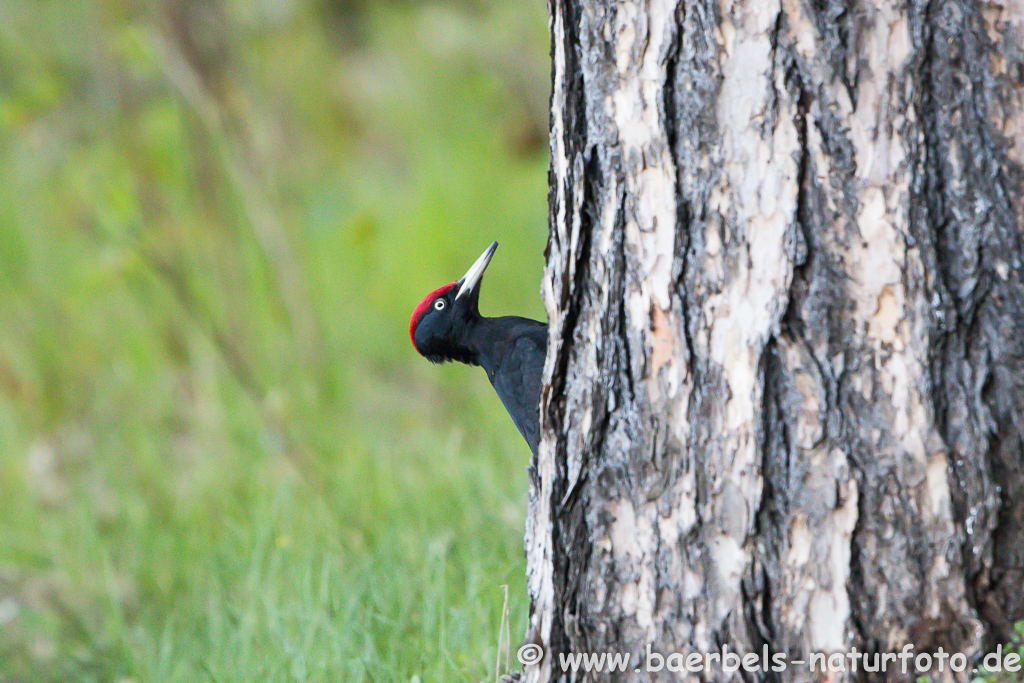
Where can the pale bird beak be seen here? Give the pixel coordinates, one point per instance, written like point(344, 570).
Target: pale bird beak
point(472, 277)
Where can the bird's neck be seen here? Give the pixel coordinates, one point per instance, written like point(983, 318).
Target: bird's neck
point(469, 345)
point(487, 341)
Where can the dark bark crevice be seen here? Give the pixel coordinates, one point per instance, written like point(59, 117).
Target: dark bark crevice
point(692, 88)
point(773, 518)
point(571, 531)
point(839, 38)
point(968, 225)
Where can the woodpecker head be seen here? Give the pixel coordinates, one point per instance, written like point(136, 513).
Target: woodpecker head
point(441, 323)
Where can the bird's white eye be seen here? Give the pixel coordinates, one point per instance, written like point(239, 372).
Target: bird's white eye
point(439, 304)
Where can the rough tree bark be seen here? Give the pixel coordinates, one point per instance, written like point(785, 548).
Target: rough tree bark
point(784, 392)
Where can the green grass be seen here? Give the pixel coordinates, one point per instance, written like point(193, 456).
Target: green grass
point(220, 458)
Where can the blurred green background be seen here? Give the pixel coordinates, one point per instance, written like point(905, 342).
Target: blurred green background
point(220, 457)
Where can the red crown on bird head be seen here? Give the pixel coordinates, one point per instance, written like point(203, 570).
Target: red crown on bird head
point(422, 308)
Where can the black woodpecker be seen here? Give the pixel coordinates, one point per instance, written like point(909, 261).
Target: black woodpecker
point(447, 326)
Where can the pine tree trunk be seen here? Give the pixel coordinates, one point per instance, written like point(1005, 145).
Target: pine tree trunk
point(784, 392)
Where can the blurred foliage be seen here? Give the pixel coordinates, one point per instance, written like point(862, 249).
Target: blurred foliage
point(221, 459)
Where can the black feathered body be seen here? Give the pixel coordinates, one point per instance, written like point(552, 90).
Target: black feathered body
point(511, 351)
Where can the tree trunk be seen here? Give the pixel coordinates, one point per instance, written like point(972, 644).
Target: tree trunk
point(783, 404)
